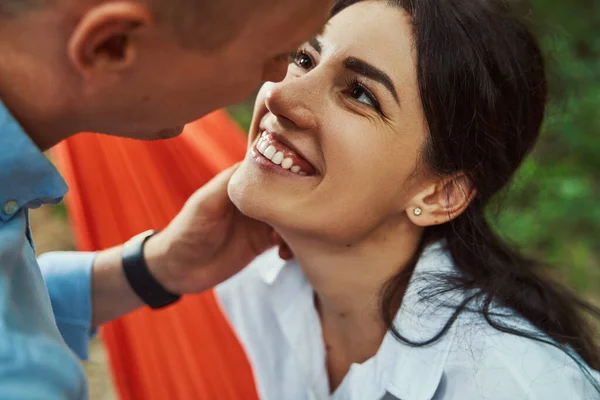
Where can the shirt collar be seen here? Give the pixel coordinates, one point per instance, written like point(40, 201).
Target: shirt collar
point(27, 178)
point(418, 370)
point(407, 372)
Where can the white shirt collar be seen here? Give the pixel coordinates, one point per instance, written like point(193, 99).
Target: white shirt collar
point(405, 371)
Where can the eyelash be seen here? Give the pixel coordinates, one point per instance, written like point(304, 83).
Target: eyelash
point(355, 82)
point(351, 83)
point(297, 53)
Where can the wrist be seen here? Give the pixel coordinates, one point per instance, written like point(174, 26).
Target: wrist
point(156, 254)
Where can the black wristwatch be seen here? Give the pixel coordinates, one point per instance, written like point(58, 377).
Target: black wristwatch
point(148, 289)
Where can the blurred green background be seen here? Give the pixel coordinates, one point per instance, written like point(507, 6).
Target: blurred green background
point(551, 210)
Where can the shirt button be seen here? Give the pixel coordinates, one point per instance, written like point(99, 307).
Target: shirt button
point(10, 207)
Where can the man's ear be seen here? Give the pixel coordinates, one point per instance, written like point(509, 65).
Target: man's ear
point(442, 201)
point(104, 38)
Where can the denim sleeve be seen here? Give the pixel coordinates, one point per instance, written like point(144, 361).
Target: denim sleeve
point(68, 276)
point(38, 368)
point(35, 363)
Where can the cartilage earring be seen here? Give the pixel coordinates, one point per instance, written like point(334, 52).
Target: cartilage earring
point(418, 211)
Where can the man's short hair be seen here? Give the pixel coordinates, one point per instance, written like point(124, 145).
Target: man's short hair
point(208, 24)
point(9, 8)
point(202, 24)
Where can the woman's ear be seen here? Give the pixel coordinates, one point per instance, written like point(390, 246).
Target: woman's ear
point(442, 201)
point(103, 40)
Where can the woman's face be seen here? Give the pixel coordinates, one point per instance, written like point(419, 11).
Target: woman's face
point(335, 147)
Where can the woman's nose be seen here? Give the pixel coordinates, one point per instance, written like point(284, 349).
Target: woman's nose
point(294, 101)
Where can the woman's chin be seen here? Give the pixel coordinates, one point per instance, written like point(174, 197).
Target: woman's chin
point(244, 192)
point(262, 196)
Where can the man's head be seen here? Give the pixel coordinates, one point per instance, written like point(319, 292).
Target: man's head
point(141, 68)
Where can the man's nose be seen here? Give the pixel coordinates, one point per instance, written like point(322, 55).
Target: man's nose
point(275, 69)
point(293, 100)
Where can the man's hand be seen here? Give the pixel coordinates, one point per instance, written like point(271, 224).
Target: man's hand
point(285, 253)
point(207, 242)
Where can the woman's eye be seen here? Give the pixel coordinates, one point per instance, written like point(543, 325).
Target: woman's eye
point(361, 95)
point(303, 60)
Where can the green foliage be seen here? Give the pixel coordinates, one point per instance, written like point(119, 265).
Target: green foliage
point(242, 113)
point(552, 209)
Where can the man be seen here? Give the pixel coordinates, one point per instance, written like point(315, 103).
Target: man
point(132, 68)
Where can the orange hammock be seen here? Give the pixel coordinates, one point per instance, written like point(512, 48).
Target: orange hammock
point(121, 187)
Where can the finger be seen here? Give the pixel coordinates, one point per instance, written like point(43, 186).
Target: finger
point(260, 234)
point(285, 252)
point(221, 179)
point(214, 195)
point(275, 238)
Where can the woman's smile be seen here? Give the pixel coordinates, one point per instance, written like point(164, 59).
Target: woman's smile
point(323, 129)
point(275, 153)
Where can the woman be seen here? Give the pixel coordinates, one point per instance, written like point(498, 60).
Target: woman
point(374, 160)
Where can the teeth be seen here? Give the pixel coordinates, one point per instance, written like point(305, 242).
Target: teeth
point(277, 158)
point(262, 146)
point(270, 152)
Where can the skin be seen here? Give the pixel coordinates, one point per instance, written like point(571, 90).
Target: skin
point(351, 226)
point(117, 67)
point(127, 73)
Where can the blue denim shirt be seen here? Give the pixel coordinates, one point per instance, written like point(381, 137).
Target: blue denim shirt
point(45, 304)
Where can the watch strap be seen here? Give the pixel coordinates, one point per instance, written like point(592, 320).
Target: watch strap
point(136, 270)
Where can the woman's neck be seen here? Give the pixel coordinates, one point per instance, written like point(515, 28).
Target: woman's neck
point(347, 281)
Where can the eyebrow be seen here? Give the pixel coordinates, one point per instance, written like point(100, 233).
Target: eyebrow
point(365, 69)
point(362, 68)
point(316, 44)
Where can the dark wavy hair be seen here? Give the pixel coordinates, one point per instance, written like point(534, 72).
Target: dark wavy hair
point(483, 87)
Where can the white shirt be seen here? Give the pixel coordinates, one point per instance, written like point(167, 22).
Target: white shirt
point(270, 305)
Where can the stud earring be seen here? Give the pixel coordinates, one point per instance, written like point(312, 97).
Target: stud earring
point(418, 211)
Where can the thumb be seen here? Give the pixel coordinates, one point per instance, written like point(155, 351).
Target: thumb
point(213, 196)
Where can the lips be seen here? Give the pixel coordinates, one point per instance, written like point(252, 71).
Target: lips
point(273, 148)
